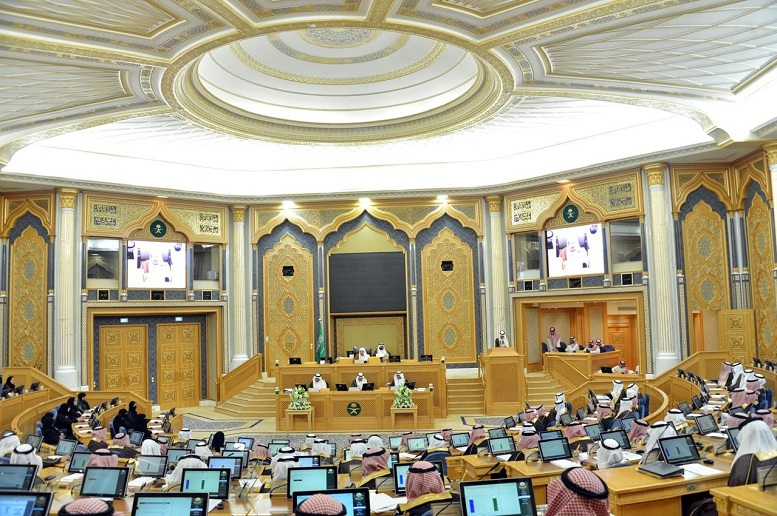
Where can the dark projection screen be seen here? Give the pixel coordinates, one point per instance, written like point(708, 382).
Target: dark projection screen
point(367, 282)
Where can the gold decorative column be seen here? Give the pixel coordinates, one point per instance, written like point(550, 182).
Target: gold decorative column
point(238, 331)
point(497, 276)
point(65, 278)
point(664, 309)
point(771, 158)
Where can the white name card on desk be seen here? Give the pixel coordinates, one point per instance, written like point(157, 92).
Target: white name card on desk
point(697, 470)
point(565, 464)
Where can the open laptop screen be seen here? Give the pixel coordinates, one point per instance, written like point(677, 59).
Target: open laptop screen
point(25, 503)
point(355, 501)
point(65, 447)
point(243, 454)
point(395, 441)
point(626, 423)
point(151, 465)
point(733, 437)
point(509, 422)
point(496, 433)
point(565, 419)
point(498, 497)
point(459, 440)
point(555, 449)
point(247, 441)
point(706, 424)
point(309, 461)
point(175, 454)
point(215, 482)
point(233, 463)
point(18, 477)
point(501, 445)
point(551, 434)
point(78, 462)
point(105, 482)
point(416, 444)
point(275, 447)
point(679, 449)
point(180, 504)
point(620, 436)
point(593, 431)
point(35, 441)
point(310, 479)
point(684, 407)
point(136, 438)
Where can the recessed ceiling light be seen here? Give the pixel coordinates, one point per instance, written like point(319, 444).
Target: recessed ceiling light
point(562, 181)
point(162, 196)
point(289, 204)
point(364, 202)
point(442, 197)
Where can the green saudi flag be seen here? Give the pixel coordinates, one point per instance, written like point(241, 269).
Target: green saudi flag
point(320, 347)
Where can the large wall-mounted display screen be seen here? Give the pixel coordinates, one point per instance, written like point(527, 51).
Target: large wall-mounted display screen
point(575, 251)
point(156, 265)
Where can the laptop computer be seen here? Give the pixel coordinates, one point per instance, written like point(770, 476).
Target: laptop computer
point(551, 434)
point(215, 482)
point(235, 464)
point(619, 435)
point(660, 469)
point(593, 431)
point(606, 369)
point(105, 482)
point(310, 479)
point(346, 454)
point(395, 441)
point(417, 444)
point(733, 438)
point(274, 448)
point(151, 465)
point(341, 387)
point(684, 408)
point(626, 423)
point(332, 449)
point(243, 454)
point(706, 424)
point(78, 462)
point(735, 410)
point(425, 358)
point(581, 413)
point(502, 448)
point(697, 402)
point(555, 449)
point(399, 474)
point(496, 433)
point(356, 501)
point(180, 504)
point(565, 419)
point(17, 477)
point(679, 450)
point(26, 503)
point(460, 440)
point(280, 441)
point(394, 359)
point(410, 385)
point(591, 407)
point(295, 361)
point(309, 461)
point(370, 386)
point(248, 442)
point(65, 448)
point(35, 441)
point(175, 454)
point(508, 496)
point(509, 422)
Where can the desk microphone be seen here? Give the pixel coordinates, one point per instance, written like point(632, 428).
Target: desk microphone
point(527, 455)
point(377, 487)
point(481, 477)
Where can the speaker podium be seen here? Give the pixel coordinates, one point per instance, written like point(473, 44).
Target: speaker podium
point(504, 381)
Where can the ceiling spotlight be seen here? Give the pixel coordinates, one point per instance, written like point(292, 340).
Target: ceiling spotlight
point(288, 205)
point(562, 181)
point(364, 202)
point(442, 197)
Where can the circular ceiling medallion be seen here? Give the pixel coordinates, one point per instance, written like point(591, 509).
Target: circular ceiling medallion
point(338, 85)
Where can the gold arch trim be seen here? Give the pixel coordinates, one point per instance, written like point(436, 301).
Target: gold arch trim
point(42, 206)
point(685, 179)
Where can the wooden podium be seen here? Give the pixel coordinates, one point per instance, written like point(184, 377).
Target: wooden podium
point(505, 384)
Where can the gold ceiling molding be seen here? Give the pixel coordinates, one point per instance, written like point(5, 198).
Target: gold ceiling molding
point(685, 179)
point(42, 205)
point(412, 219)
point(316, 220)
point(483, 10)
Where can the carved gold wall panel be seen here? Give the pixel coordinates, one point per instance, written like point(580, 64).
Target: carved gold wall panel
point(751, 168)
point(41, 205)
point(27, 304)
point(124, 358)
point(759, 245)
point(606, 197)
point(736, 332)
point(289, 310)
point(685, 179)
point(706, 259)
point(178, 362)
point(449, 299)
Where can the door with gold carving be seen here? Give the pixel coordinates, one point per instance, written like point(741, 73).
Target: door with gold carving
point(123, 359)
point(178, 363)
point(620, 333)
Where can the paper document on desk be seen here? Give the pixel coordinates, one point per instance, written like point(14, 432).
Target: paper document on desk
point(212, 504)
point(410, 456)
point(381, 502)
point(719, 435)
point(71, 478)
point(699, 470)
point(628, 456)
point(564, 463)
point(140, 481)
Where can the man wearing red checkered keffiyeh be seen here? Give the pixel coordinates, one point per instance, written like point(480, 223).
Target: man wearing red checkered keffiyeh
point(423, 478)
point(320, 505)
point(374, 460)
point(103, 458)
point(88, 507)
point(579, 492)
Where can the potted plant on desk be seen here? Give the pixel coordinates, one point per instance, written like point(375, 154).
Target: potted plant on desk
point(300, 399)
point(403, 398)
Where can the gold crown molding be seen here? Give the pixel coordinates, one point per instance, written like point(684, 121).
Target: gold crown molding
point(484, 11)
point(67, 198)
point(412, 230)
point(687, 178)
point(68, 51)
point(42, 205)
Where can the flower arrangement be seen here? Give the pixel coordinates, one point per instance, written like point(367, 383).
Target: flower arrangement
point(300, 399)
point(403, 398)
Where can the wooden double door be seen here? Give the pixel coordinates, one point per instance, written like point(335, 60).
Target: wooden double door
point(124, 362)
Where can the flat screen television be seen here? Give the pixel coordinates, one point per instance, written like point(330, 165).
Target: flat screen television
point(156, 265)
point(575, 251)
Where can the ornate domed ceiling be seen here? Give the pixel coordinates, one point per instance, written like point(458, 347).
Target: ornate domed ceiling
point(319, 99)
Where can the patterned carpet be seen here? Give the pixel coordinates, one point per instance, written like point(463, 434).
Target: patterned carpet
point(201, 423)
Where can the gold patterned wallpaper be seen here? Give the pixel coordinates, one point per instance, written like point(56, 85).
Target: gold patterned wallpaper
point(759, 245)
point(706, 262)
point(606, 198)
point(289, 313)
point(449, 299)
point(27, 301)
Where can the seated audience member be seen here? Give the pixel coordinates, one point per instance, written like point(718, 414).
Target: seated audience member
point(398, 380)
point(150, 447)
point(25, 454)
point(422, 479)
point(437, 443)
point(362, 357)
point(132, 414)
point(627, 405)
point(738, 397)
point(766, 416)
point(318, 382)
point(575, 430)
point(639, 431)
point(756, 441)
point(284, 452)
point(375, 442)
point(596, 347)
point(9, 384)
point(281, 467)
point(8, 443)
point(122, 445)
point(309, 440)
point(354, 437)
point(72, 411)
point(554, 340)
point(609, 454)
point(529, 439)
point(100, 433)
point(184, 434)
point(82, 404)
point(620, 368)
point(320, 505)
point(103, 458)
point(529, 415)
point(675, 416)
point(63, 422)
point(374, 465)
point(617, 389)
point(578, 491)
point(725, 373)
point(262, 452)
point(119, 423)
point(202, 450)
point(358, 448)
point(359, 381)
point(736, 420)
point(218, 441)
point(572, 347)
point(632, 391)
point(87, 507)
point(603, 412)
point(49, 432)
point(501, 341)
point(186, 462)
point(381, 352)
point(657, 431)
point(477, 435)
point(321, 447)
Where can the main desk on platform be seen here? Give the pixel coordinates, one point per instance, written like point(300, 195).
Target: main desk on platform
point(334, 410)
